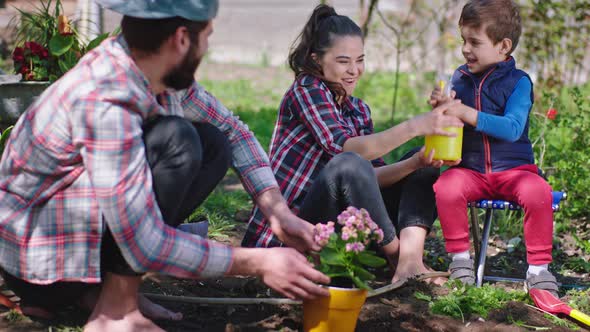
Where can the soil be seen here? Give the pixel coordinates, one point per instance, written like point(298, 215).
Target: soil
point(398, 310)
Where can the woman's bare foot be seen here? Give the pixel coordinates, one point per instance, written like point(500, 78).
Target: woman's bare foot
point(153, 310)
point(413, 270)
point(131, 322)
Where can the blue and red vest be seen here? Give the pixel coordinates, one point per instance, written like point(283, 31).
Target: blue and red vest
point(489, 93)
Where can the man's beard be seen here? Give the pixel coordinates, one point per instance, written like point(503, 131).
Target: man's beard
point(182, 76)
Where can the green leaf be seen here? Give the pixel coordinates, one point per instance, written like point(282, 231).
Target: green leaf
point(63, 65)
point(360, 284)
point(59, 45)
point(422, 296)
point(96, 41)
point(363, 274)
point(331, 256)
point(370, 259)
point(337, 274)
point(4, 138)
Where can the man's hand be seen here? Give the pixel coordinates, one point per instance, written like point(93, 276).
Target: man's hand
point(290, 229)
point(282, 269)
point(434, 122)
point(295, 233)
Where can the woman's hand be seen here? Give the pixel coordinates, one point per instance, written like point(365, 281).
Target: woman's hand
point(421, 160)
point(434, 122)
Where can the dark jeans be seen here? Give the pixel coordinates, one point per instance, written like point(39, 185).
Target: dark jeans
point(349, 180)
point(187, 161)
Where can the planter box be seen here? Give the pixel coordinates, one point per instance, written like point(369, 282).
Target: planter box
point(16, 96)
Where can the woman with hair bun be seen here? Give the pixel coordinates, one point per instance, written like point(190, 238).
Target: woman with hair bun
point(326, 156)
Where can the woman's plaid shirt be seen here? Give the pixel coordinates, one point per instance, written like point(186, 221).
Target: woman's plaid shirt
point(75, 162)
point(311, 129)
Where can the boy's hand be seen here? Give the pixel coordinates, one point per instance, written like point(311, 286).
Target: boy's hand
point(463, 112)
point(437, 97)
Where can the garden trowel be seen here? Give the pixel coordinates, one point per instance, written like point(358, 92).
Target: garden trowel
point(548, 302)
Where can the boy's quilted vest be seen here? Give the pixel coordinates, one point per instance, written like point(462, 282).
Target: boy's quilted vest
point(489, 93)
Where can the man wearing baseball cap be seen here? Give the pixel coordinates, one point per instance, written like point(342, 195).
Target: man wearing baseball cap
point(100, 170)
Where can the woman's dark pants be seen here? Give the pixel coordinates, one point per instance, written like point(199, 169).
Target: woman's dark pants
point(349, 180)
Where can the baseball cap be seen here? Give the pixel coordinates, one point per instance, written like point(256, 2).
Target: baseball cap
point(194, 10)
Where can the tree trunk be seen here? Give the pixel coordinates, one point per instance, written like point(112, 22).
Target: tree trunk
point(367, 15)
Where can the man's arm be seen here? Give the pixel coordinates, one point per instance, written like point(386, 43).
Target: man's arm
point(248, 157)
point(251, 163)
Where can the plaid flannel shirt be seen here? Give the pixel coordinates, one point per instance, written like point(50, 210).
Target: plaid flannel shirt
point(76, 162)
point(311, 129)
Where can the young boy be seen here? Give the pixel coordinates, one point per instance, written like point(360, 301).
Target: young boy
point(497, 158)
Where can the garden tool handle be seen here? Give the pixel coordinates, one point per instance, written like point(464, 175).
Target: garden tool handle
point(580, 316)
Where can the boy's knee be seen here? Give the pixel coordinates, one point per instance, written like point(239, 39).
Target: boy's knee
point(446, 189)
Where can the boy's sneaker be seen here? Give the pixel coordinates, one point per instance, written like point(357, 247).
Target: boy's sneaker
point(462, 270)
point(544, 280)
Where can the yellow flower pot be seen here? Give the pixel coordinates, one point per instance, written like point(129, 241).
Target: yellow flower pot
point(445, 147)
point(337, 313)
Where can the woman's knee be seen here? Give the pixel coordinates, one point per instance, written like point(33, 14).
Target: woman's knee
point(350, 165)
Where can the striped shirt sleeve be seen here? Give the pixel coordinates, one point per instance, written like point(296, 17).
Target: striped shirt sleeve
point(248, 156)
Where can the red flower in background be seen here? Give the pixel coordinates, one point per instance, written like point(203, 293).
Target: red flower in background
point(551, 114)
point(18, 55)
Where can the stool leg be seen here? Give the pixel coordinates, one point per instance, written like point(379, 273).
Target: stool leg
point(474, 229)
point(481, 262)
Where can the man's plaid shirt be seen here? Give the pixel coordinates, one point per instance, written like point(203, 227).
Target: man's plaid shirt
point(76, 162)
point(311, 129)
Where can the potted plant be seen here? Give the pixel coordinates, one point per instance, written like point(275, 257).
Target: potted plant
point(47, 46)
point(344, 256)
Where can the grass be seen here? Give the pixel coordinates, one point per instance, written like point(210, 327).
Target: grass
point(220, 209)
point(464, 301)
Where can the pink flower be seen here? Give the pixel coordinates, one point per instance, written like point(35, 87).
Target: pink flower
point(343, 217)
point(355, 247)
point(348, 233)
point(378, 235)
point(322, 233)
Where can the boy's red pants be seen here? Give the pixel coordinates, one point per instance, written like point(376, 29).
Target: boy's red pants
point(521, 185)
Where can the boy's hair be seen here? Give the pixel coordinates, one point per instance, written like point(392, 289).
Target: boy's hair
point(501, 19)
